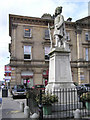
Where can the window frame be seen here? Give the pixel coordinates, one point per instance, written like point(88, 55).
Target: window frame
point(46, 54)
point(87, 36)
point(68, 36)
point(47, 36)
point(26, 53)
point(28, 32)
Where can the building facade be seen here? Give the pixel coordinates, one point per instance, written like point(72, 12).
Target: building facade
point(30, 45)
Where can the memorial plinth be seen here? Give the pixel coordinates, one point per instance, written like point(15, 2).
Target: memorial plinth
point(60, 76)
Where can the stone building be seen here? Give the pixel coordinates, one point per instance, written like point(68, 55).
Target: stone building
point(30, 45)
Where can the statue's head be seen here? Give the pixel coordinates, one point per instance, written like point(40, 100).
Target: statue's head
point(58, 10)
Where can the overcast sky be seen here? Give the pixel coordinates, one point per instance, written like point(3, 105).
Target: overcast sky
point(75, 9)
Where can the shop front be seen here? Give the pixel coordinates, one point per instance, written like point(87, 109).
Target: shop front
point(27, 78)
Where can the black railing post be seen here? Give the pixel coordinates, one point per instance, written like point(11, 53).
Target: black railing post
point(40, 107)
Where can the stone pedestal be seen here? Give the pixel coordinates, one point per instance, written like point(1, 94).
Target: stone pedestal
point(60, 76)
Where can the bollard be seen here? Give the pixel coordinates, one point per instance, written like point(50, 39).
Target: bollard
point(77, 113)
point(27, 111)
point(21, 106)
point(35, 116)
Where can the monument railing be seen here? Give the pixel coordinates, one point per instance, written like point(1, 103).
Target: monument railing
point(64, 108)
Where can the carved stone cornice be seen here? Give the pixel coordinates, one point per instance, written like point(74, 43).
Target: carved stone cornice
point(26, 41)
point(88, 43)
point(30, 66)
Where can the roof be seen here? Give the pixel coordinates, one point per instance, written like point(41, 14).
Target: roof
point(84, 19)
point(39, 21)
point(26, 19)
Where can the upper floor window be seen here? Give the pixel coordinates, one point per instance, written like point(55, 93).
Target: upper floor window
point(68, 36)
point(27, 52)
point(47, 50)
point(86, 36)
point(47, 34)
point(86, 54)
point(27, 32)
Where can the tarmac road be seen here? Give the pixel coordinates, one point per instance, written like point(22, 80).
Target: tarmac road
point(11, 108)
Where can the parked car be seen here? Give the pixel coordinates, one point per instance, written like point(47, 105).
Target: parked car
point(83, 88)
point(18, 91)
point(86, 86)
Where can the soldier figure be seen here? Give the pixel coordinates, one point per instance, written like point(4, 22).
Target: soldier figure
point(59, 28)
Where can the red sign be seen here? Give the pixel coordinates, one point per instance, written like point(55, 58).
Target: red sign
point(7, 73)
point(7, 68)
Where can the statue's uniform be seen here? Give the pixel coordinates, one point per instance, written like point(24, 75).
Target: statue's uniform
point(59, 26)
point(59, 29)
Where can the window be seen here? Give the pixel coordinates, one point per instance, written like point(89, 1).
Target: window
point(27, 78)
point(27, 32)
point(27, 52)
point(86, 54)
point(68, 36)
point(82, 77)
point(47, 50)
point(47, 34)
point(86, 36)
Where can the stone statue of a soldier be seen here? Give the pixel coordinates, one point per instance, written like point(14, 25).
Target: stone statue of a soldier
point(59, 28)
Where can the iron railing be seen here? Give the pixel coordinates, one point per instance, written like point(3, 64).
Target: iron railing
point(68, 102)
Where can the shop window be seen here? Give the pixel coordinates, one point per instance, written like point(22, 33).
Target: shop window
point(27, 78)
point(27, 32)
point(27, 53)
point(47, 50)
point(28, 83)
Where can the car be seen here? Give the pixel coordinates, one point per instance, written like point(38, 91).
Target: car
point(18, 91)
point(86, 86)
point(83, 88)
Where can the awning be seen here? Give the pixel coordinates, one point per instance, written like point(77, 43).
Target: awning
point(27, 74)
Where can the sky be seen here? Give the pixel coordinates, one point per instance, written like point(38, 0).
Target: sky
point(76, 9)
